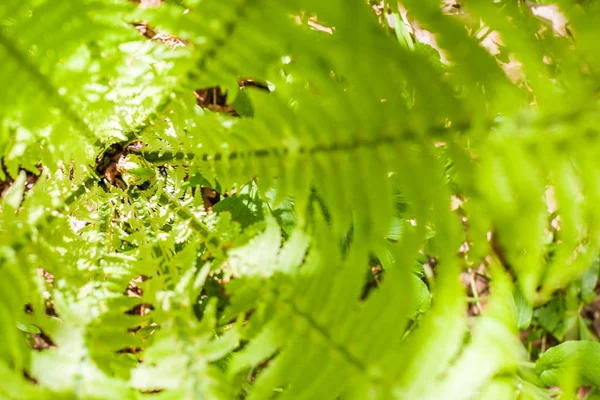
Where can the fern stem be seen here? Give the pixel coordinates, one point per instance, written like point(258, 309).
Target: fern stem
point(77, 193)
point(187, 215)
point(229, 27)
point(159, 157)
point(43, 223)
point(139, 130)
point(140, 209)
point(48, 88)
point(475, 292)
point(475, 299)
point(351, 359)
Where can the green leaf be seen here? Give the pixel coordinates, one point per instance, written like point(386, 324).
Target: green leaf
point(581, 355)
point(552, 317)
point(524, 311)
point(28, 328)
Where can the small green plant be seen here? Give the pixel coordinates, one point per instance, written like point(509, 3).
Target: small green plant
point(299, 199)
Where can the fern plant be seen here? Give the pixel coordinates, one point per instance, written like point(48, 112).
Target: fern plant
point(364, 171)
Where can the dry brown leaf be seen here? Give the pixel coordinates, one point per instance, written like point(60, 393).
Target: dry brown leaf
point(551, 14)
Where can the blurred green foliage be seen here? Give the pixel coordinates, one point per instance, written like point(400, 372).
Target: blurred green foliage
point(393, 152)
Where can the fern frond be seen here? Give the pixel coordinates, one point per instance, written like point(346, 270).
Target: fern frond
point(363, 141)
